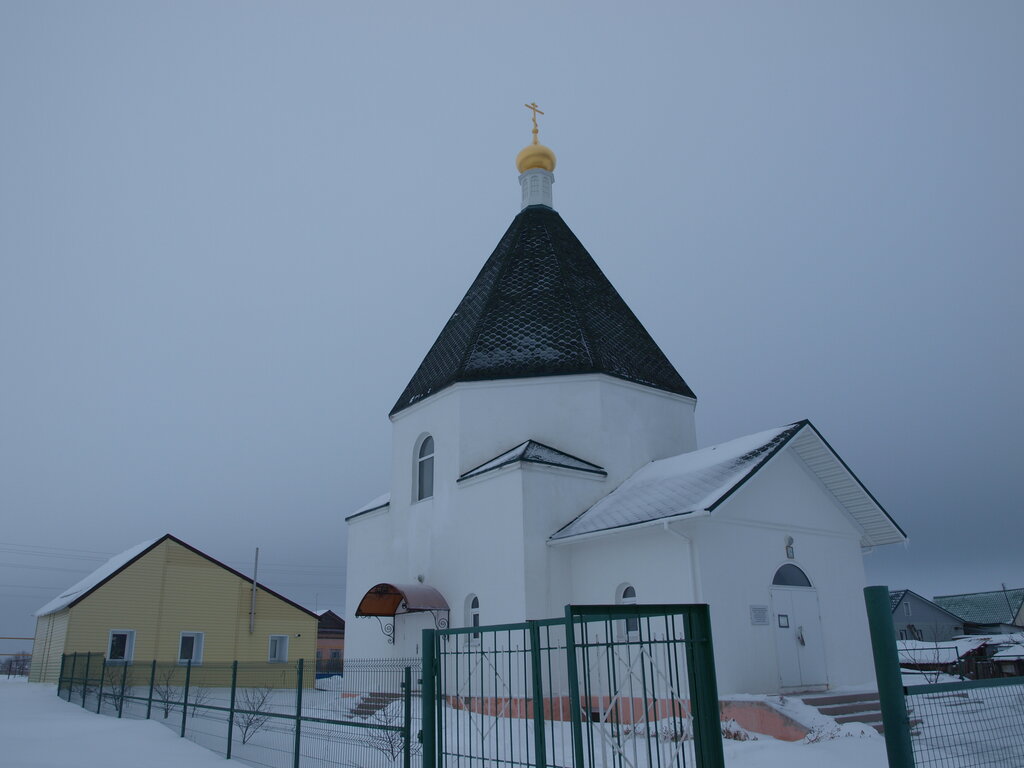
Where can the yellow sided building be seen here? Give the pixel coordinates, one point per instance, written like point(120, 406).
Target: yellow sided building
point(166, 600)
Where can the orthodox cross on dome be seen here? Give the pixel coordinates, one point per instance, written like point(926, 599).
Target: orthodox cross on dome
point(532, 106)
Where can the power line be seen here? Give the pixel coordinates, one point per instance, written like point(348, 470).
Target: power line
point(43, 568)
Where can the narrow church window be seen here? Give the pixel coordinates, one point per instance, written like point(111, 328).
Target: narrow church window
point(425, 469)
point(632, 624)
point(790, 576)
point(473, 615)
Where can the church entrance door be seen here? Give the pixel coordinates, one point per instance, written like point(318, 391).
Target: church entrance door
point(799, 643)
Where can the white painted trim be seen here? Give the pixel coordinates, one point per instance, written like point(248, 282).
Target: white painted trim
point(533, 466)
point(702, 513)
point(696, 587)
point(201, 637)
point(533, 381)
point(129, 646)
point(360, 516)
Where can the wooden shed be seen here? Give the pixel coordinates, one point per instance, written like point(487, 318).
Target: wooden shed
point(168, 601)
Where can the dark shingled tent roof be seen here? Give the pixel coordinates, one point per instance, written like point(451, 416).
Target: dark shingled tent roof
point(541, 307)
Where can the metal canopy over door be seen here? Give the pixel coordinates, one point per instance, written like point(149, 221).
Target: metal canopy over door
point(798, 639)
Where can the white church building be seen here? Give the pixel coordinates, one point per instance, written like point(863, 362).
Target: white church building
point(545, 453)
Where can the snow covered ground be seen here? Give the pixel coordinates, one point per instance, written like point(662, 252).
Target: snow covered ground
point(38, 730)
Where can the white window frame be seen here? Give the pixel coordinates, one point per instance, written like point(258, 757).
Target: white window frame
point(420, 460)
point(270, 649)
point(472, 617)
point(907, 610)
point(129, 646)
point(197, 647)
point(630, 629)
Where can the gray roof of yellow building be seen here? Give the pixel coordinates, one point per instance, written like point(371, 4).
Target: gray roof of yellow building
point(541, 307)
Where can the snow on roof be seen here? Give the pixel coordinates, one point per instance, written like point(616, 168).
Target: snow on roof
point(895, 595)
point(699, 481)
point(689, 482)
point(381, 501)
point(996, 607)
point(535, 453)
point(109, 568)
point(943, 652)
point(1010, 653)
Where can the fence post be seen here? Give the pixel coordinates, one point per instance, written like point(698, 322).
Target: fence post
point(85, 682)
point(152, 682)
point(231, 706)
point(407, 718)
point(60, 675)
point(700, 664)
point(540, 748)
point(428, 693)
point(71, 680)
point(184, 698)
point(103, 679)
point(889, 678)
point(572, 669)
point(120, 700)
point(298, 714)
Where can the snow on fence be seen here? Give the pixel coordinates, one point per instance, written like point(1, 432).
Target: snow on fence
point(264, 714)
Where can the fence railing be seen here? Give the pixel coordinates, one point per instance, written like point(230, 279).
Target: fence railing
point(617, 686)
point(959, 724)
point(264, 714)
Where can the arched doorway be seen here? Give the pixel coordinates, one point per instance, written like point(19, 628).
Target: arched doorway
point(798, 640)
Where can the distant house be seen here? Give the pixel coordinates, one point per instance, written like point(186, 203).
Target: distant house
point(917, 618)
point(330, 643)
point(168, 601)
point(999, 611)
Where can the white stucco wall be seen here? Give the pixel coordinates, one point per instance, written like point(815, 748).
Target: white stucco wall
point(738, 549)
point(474, 536)
point(489, 535)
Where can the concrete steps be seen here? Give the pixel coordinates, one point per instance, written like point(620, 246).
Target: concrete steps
point(850, 708)
point(371, 703)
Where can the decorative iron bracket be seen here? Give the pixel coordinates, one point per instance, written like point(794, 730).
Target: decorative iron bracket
point(387, 628)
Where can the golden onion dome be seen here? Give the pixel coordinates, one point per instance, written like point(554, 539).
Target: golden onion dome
point(535, 156)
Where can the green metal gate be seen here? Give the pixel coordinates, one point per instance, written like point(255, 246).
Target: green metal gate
point(611, 686)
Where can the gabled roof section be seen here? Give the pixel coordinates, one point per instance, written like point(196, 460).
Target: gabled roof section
point(690, 482)
point(699, 481)
point(70, 597)
point(541, 307)
point(996, 607)
point(897, 596)
point(535, 453)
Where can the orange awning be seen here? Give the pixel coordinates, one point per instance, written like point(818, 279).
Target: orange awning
point(393, 599)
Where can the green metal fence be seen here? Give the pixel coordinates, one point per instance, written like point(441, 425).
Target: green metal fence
point(960, 724)
point(616, 686)
point(264, 714)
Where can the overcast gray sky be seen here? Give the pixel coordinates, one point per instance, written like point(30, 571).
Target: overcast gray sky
point(229, 231)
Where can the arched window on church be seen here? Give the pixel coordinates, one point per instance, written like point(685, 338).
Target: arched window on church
point(425, 469)
point(473, 615)
point(790, 576)
point(631, 626)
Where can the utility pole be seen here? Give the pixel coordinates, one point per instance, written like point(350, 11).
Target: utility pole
point(252, 607)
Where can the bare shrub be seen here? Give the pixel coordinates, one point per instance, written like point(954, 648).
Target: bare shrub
point(254, 711)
